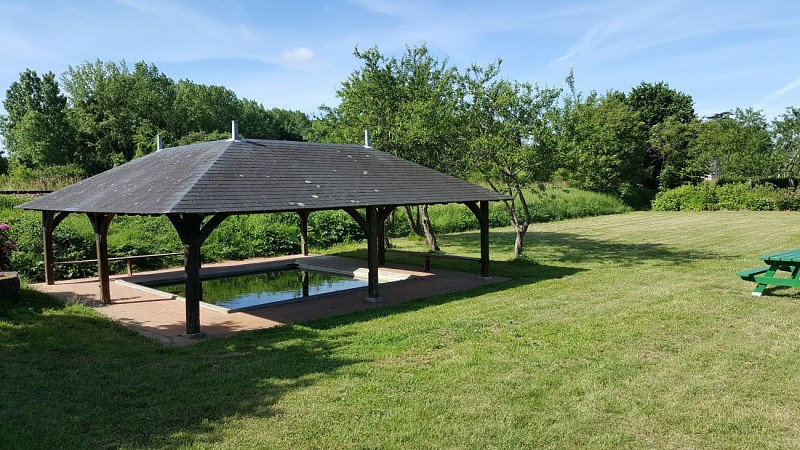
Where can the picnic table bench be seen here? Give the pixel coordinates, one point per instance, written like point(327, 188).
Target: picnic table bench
point(788, 261)
point(426, 266)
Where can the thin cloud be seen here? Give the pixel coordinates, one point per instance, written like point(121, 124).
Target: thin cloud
point(776, 95)
point(392, 7)
point(622, 31)
point(299, 55)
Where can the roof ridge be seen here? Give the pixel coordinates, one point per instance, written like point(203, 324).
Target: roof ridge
point(179, 196)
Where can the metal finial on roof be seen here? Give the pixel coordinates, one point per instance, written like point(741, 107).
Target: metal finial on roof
point(234, 130)
point(159, 142)
point(366, 139)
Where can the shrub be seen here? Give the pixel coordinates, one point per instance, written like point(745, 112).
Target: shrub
point(669, 200)
point(47, 178)
point(733, 197)
point(637, 197)
point(789, 200)
point(8, 245)
point(730, 196)
point(326, 228)
point(70, 242)
point(241, 237)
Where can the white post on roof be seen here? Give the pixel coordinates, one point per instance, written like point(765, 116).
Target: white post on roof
point(159, 142)
point(366, 139)
point(234, 130)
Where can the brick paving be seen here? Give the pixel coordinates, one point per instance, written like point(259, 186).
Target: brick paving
point(160, 316)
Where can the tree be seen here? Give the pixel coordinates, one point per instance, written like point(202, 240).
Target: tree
point(117, 112)
point(291, 125)
point(604, 144)
point(151, 97)
point(113, 115)
point(657, 103)
point(740, 143)
point(787, 139)
point(98, 95)
point(200, 136)
point(511, 135)
point(408, 106)
point(202, 108)
point(256, 122)
point(673, 140)
point(35, 131)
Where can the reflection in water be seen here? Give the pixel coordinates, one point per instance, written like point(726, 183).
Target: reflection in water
point(251, 290)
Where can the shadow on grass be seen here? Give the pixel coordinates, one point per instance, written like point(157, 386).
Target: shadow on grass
point(519, 273)
point(578, 249)
point(73, 379)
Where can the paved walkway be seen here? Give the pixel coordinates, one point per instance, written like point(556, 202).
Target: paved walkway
point(161, 316)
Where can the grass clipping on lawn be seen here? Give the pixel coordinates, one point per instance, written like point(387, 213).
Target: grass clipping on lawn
point(631, 331)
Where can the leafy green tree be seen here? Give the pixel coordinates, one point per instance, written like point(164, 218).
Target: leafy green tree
point(200, 136)
point(256, 122)
point(116, 111)
point(740, 143)
point(98, 94)
point(673, 140)
point(203, 108)
point(657, 103)
point(35, 131)
point(787, 139)
point(605, 145)
point(409, 107)
point(510, 131)
point(152, 95)
point(291, 125)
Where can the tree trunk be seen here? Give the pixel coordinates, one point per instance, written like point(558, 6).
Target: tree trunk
point(520, 228)
point(413, 225)
point(430, 237)
point(519, 241)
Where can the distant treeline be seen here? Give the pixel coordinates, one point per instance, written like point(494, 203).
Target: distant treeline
point(471, 123)
point(103, 114)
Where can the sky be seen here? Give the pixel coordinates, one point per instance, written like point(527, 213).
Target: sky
point(295, 54)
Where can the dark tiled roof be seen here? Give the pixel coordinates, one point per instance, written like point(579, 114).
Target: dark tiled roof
point(253, 176)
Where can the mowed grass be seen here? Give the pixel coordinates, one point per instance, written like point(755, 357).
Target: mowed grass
point(629, 331)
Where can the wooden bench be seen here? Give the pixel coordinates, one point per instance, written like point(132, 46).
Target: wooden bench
point(788, 261)
point(426, 267)
point(749, 275)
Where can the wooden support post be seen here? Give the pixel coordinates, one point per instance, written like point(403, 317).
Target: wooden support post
point(482, 214)
point(50, 221)
point(194, 285)
point(193, 233)
point(47, 222)
point(372, 253)
point(100, 224)
point(484, 219)
point(303, 232)
point(376, 216)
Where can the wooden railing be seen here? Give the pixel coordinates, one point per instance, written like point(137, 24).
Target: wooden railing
point(128, 260)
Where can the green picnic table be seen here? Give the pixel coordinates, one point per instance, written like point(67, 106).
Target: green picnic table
point(788, 261)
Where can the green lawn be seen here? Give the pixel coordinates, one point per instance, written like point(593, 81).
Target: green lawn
point(632, 331)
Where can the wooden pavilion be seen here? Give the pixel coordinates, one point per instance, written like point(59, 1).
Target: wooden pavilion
point(198, 186)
